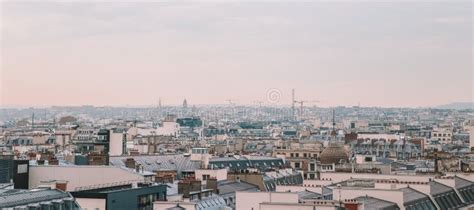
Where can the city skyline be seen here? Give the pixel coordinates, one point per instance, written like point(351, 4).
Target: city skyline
point(388, 54)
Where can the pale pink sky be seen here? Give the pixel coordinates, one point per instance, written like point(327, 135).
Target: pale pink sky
point(375, 54)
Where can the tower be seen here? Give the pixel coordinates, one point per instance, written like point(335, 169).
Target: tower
point(333, 132)
point(185, 104)
point(33, 120)
point(293, 117)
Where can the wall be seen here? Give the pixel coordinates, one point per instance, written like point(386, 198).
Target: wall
point(395, 196)
point(219, 174)
point(249, 200)
point(252, 178)
point(80, 176)
point(116, 143)
point(168, 129)
point(286, 206)
point(471, 134)
point(128, 199)
point(297, 188)
point(160, 205)
point(91, 203)
point(338, 177)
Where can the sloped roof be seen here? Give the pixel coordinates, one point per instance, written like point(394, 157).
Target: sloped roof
point(213, 202)
point(306, 194)
point(375, 203)
point(9, 198)
point(234, 186)
point(438, 188)
point(410, 195)
point(159, 162)
point(462, 183)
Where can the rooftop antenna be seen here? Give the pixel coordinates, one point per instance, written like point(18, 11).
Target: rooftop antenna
point(334, 120)
point(160, 108)
point(333, 133)
point(293, 117)
point(258, 108)
point(33, 121)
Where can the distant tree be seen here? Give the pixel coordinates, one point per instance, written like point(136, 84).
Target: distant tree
point(23, 123)
point(67, 120)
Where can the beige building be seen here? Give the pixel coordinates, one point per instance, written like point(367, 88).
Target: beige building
point(118, 140)
point(285, 201)
point(443, 135)
point(205, 174)
point(252, 200)
point(471, 134)
point(81, 176)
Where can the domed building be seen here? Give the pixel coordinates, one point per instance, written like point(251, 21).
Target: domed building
point(333, 154)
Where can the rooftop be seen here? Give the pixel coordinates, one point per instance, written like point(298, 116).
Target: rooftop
point(10, 198)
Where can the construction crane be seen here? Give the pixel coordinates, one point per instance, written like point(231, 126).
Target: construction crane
point(232, 104)
point(258, 109)
point(302, 102)
point(231, 101)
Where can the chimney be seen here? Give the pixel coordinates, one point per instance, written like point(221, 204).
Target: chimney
point(184, 188)
point(195, 185)
point(212, 184)
point(130, 163)
point(62, 185)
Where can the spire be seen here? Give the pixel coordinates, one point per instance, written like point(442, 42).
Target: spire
point(185, 104)
point(333, 133)
point(333, 119)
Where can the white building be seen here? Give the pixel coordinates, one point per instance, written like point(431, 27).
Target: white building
point(118, 140)
point(443, 135)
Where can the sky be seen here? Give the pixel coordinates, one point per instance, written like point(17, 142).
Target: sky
point(368, 53)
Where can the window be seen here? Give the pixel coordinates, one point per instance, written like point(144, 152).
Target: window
point(145, 202)
point(305, 155)
point(206, 176)
point(292, 155)
point(297, 165)
point(297, 154)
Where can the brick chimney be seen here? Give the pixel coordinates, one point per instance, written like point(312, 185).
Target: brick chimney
point(186, 186)
point(61, 185)
point(212, 184)
point(130, 163)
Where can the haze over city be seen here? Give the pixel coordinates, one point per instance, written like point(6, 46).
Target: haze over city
point(236, 105)
point(391, 54)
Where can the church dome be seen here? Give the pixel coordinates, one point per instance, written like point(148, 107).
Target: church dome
point(333, 154)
